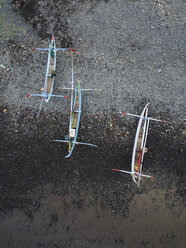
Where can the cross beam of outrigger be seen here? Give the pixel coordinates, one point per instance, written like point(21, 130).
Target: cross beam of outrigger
point(46, 91)
point(75, 115)
point(139, 147)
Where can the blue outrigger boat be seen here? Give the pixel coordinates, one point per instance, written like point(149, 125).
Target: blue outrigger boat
point(75, 115)
point(47, 90)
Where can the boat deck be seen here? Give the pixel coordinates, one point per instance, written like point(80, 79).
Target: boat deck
point(138, 149)
point(76, 114)
point(50, 78)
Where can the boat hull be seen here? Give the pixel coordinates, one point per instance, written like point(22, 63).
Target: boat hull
point(139, 146)
point(51, 68)
point(75, 121)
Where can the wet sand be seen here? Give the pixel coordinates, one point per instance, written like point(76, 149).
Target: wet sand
point(49, 201)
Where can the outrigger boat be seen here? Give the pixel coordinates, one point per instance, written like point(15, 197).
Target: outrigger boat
point(46, 91)
point(139, 146)
point(75, 115)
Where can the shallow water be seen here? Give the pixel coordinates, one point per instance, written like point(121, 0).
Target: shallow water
point(59, 222)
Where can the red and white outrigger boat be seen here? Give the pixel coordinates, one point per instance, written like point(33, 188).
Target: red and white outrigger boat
point(139, 146)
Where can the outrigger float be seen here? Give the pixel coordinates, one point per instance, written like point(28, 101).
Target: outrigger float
point(75, 115)
point(139, 146)
point(47, 90)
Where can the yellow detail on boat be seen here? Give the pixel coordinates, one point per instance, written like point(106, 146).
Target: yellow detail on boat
point(69, 147)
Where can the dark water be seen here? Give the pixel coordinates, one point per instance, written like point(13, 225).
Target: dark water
point(49, 201)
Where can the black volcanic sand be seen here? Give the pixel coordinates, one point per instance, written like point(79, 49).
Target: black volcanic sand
point(48, 201)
